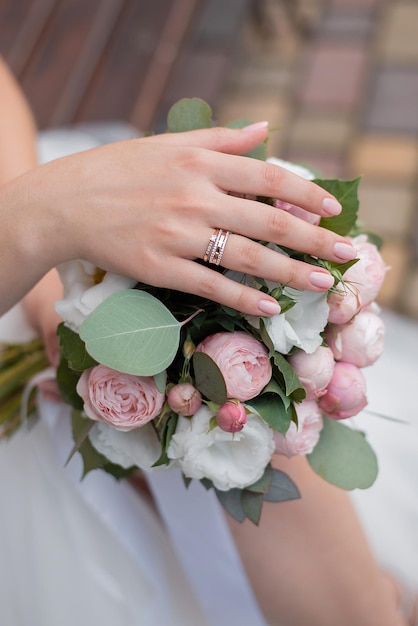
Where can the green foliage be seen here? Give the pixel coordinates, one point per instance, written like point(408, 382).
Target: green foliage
point(132, 332)
point(208, 378)
point(189, 114)
point(67, 380)
point(272, 410)
point(260, 151)
point(346, 192)
point(74, 349)
point(167, 432)
point(343, 457)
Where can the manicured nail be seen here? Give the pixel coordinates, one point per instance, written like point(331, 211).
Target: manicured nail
point(321, 280)
point(331, 206)
point(344, 251)
point(269, 307)
point(256, 126)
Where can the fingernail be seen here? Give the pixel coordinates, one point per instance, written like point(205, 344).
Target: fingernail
point(344, 251)
point(331, 206)
point(269, 307)
point(321, 280)
point(256, 126)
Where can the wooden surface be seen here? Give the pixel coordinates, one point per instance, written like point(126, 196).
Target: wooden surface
point(84, 60)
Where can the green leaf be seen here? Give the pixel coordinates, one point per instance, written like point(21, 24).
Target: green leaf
point(74, 349)
point(343, 457)
point(282, 488)
point(132, 332)
point(252, 504)
point(271, 409)
point(168, 432)
point(260, 151)
point(293, 386)
point(263, 484)
point(189, 114)
point(67, 380)
point(346, 193)
point(231, 501)
point(208, 378)
point(91, 458)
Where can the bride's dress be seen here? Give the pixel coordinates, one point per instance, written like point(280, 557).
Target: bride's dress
point(94, 552)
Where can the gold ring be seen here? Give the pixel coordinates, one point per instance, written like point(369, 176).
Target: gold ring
point(216, 246)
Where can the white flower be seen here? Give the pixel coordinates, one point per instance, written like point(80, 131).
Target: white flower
point(227, 459)
point(82, 291)
point(300, 170)
point(138, 447)
point(302, 324)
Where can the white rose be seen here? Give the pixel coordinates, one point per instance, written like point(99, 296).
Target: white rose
point(139, 447)
point(227, 459)
point(300, 170)
point(82, 292)
point(301, 325)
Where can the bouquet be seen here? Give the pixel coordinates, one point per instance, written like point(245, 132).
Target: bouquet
point(160, 379)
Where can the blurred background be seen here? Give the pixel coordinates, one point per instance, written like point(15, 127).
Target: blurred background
point(337, 80)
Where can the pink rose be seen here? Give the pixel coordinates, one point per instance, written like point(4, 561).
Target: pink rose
point(367, 275)
point(231, 417)
point(359, 342)
point(313, 370)
point(184, 399)
point(297, 211)
point(120, 400)
point(343, 305)
point(346, 393)
point(243, 361)
point(301, 439)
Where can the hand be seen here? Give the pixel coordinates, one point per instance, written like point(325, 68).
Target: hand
point(146, 208)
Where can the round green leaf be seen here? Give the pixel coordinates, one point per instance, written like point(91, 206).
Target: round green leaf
point(132, 332)
point(343, 457)
point(189, 114)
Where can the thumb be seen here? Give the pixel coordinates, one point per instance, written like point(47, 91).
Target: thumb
point(221, 139)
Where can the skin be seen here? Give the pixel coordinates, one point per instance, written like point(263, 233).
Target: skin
point(113, 207)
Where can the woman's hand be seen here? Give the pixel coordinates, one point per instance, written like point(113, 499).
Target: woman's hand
point(146, 208)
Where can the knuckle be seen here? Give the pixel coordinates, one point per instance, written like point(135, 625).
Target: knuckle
point(273, 178)
point(208, 285)
point(251, 257)
point(277, 223)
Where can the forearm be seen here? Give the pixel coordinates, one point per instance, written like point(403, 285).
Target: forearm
point(310, 563)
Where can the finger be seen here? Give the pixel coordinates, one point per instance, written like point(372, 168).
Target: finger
point(190, 277)
point(229, 140)
point(255, 177)
point(257, 220)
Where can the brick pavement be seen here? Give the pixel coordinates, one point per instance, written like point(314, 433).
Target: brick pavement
point(338, 79)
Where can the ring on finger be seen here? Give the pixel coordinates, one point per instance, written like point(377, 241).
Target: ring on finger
point(216, 246)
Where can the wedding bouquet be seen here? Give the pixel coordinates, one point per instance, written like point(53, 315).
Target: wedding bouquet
point(160, 379)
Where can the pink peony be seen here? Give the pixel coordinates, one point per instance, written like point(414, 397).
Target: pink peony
point(346, 393)
point(367, 275)
point(359, 342)
point(343, 305)
point(297, 211)
point(243, 361)
point(184, 399)
point(121, 400)
point(313, 370)
point(231, 417)
point(301, 439)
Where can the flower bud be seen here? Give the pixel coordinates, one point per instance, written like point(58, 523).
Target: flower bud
point(231, 417)
point(188, 349)
point(184, 399)
point(343, 305)
point(313, 370)
point(359, 342)
point(301, 439)
point(346, 393)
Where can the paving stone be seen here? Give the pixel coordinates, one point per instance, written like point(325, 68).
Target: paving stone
point(386, 208)
point(333, 78)
point(390, 157)
point(329, 134)
point(398, 41)
point(393, 98)
point(363, 4)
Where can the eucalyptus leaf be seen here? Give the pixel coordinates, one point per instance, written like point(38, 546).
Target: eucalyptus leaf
point(282, 488)
point(231, 501)
point(208, 378)
point(346, 192)
point(262, 485)
point(132, 332)
point(189, 114)
point(343, 457)
point(252, 504)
